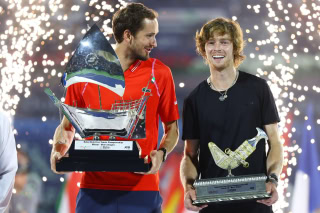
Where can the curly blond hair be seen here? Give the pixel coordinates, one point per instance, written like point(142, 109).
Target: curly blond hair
point(222, 26)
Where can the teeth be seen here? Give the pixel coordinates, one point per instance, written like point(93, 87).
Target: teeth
point(218, 56)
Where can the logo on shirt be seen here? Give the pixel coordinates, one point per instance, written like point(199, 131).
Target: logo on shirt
point(145, 89)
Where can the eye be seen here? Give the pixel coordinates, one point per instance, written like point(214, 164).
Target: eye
point(224, 42)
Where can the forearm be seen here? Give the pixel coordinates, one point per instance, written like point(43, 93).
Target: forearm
point(170, 136)
point(275, 155)
point(188, 172)
point(275, 159)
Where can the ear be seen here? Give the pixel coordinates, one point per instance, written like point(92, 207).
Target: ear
point(127, 36)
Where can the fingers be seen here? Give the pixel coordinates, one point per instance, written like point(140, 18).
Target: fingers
point(55, 156)
point(53, 160)
point(268, 202)
point(156, 161)
point(190, 196)
point(271, 188)
point(144, 173)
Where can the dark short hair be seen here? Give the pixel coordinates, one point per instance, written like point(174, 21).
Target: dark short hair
point(222, 26)
point(131, 18)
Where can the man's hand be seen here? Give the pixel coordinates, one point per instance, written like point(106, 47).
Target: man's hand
point(156, 160)
point(271, 188)
point(62, 140)
point(168, 141)
point(189, 197)
point(59, 149)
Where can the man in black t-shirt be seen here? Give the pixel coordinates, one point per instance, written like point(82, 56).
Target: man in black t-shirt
point(226, 108)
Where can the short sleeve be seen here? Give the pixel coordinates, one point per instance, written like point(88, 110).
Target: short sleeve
point(168, 106)
point(189, 120)
point(269, 109)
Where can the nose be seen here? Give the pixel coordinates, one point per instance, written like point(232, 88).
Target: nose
point(217, 46)
point(154, 42)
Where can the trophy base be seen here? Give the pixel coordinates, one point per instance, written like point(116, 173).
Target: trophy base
point(103, 156)
point(231, 189)
point(71, 164)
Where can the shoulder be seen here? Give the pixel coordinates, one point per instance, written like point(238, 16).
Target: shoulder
point(159, 70)
point(250, 76)
point(251, 79)
point(197, 91)
point(158, 65)
point(4, 120)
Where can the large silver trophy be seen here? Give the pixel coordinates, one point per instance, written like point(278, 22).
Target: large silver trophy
point(95, 61)
point(232, 188)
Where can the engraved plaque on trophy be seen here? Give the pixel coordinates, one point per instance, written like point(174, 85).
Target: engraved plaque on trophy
point(94, 61)
point(232, 188)
point(101, 155)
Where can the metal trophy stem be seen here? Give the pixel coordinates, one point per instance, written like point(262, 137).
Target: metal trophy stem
point(229, 172)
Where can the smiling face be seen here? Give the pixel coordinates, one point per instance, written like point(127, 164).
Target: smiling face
point(212, 31)
point(219, 52)
point(144, 40)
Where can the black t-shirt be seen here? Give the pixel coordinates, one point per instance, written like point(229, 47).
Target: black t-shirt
point(229, 123)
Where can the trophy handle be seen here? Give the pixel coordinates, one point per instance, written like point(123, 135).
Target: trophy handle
point(245, 164)
point(227, 151)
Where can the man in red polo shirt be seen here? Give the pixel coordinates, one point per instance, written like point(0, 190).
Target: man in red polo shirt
point(135, 28)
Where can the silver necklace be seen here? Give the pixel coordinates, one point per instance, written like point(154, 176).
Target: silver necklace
point(222, 93)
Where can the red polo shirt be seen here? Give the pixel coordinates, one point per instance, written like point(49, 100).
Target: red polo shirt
point(162, 102)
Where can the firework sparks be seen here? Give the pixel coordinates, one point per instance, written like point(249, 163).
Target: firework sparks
point(36, 42)
point(289, 36)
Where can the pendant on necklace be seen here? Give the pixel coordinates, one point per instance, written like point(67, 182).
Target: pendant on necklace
point(223, 97)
